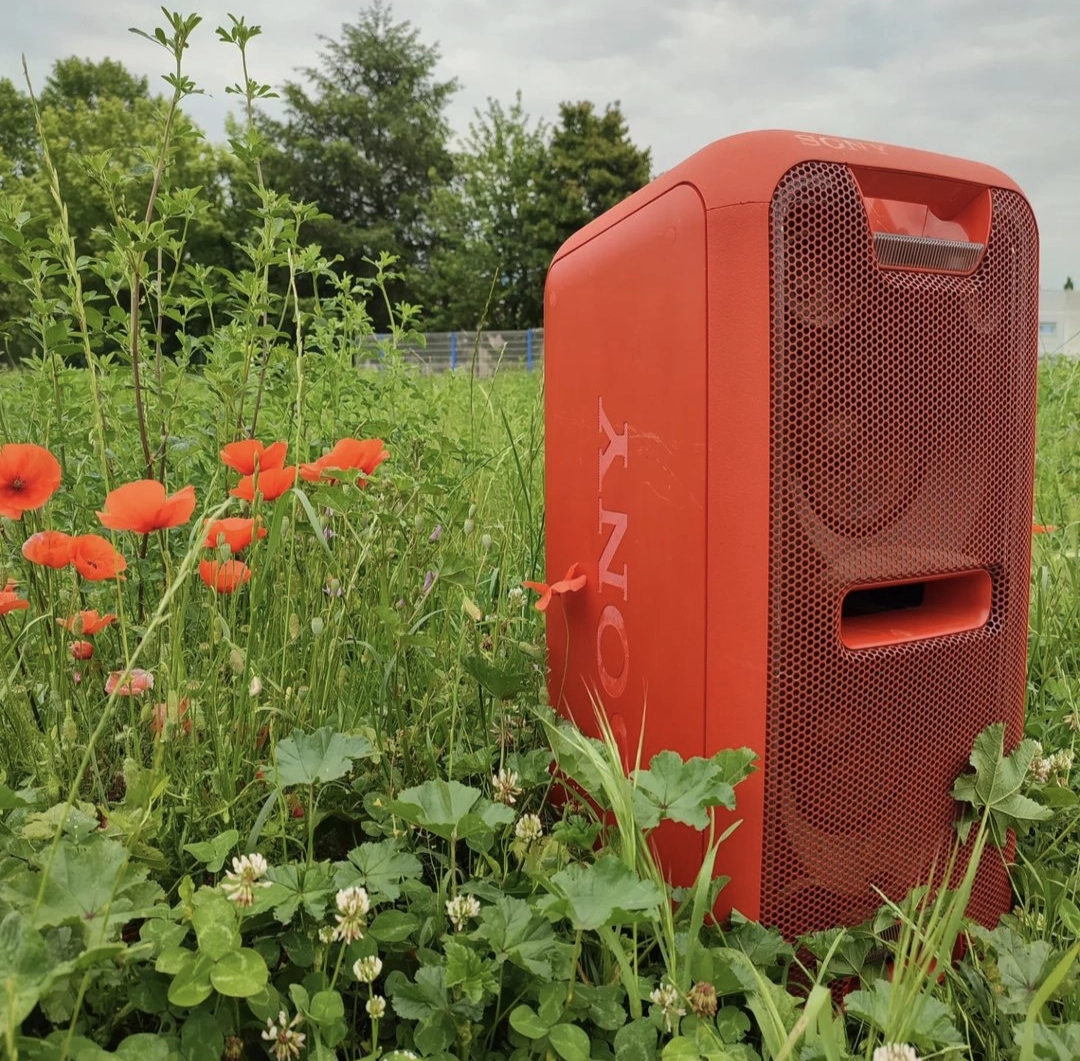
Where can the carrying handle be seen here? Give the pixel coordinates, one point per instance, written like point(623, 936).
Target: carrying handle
point(925, 223)
point(892, 613)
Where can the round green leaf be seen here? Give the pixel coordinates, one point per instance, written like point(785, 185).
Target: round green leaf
point(191, 985)
point(570, 1042)
point(681, 1048)
point(525, 1022)
point(215, 927)
point(240, 974)
point(202, 1036)
point(326, 1006)
point(392, 926)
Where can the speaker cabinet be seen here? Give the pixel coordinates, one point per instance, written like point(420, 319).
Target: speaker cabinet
point(790, 416)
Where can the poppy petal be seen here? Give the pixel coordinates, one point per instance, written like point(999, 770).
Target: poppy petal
point(49, 548)
point(224, 577)
point(96, 559)
point(29, 476)
point(142, 507)
point(249, 453)
point(272, 483)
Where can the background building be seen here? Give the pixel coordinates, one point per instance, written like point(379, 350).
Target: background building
point(1059, 322)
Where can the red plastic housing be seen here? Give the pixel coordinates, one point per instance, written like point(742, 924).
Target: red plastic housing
point(790, 402)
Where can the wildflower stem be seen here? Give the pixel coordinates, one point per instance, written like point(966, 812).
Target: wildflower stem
point(65, 244)
point(26, 675)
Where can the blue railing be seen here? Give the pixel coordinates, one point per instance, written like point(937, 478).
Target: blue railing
point(485, 353)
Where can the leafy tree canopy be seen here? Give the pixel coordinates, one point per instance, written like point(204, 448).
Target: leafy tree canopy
point(367, 141)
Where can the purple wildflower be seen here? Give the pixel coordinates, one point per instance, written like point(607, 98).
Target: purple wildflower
point(436, 534)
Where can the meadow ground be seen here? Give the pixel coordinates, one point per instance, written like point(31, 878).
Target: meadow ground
point(283, 784)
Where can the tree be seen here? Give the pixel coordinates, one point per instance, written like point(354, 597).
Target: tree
point(369, 144)
point(74, 81)
point(487, 264)
point(594, 165)
point(1068, 283)
point(18, 144)
point(99, 121)
point(519, 192)
point(102, 146)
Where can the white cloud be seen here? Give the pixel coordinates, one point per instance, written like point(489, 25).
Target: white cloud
point(992, 80)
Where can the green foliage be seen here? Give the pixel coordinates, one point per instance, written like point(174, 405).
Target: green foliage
point(367, 143)
point(488, 264)
point(519, 191)
point(329, 815)
point(311, 758)
point(994, 787)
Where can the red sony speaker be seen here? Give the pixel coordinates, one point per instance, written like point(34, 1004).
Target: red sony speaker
point(790, 392)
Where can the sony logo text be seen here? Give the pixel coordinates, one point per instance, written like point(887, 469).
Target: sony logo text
point(610, 574)
point(837, 144)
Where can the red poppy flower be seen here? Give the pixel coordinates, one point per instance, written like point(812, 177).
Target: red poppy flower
point(142, 507)
point(82, 649)
point(138, 681)
point(250, 454)
point(87, 623)
point(224, 577)
point(1039, 528)
point(235, 531)
point(363, 455)
point(162, 716)
point(29, 476)
point(273, 482)
point(571, 583)
point(95, 558)
point(10, 601)
point(49, 548)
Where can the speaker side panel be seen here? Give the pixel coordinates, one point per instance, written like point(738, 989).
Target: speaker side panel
point(738, 528)
point(625, 379)
point(902, 440)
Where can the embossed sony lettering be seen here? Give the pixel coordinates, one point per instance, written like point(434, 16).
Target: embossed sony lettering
point(836, 143)
point(611, 626)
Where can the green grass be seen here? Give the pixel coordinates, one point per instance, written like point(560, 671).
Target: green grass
point(366, 715)
point(408, 649)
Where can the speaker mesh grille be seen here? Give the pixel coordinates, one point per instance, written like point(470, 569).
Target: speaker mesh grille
point(902, 421)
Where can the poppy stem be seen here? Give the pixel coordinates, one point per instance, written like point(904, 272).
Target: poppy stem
point(26, 675)
point(140, 407)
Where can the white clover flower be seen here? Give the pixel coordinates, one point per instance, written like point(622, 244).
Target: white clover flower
point(288, 1042)
point(895, 1052)
point(241, 881)
point(367, 969)
point(255, 687)
point(376, 1007)
point(461, 908)
point(516, 594)
point(353, 906)
point(1040, 769)
point(1061, 763)
point(667, 998)
point(505, 784)
point(326, 934)
point(529, 828)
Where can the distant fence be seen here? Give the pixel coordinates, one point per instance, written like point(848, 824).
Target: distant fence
point(490, 352)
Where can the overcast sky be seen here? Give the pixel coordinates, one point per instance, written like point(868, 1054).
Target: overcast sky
point(993, 80)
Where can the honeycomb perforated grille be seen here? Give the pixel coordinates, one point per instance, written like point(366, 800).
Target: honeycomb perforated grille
point(902, 427)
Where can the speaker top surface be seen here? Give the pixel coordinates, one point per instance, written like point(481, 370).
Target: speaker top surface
point(747, 167)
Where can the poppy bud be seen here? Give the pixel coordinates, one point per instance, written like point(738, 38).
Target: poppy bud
point(81, 650)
